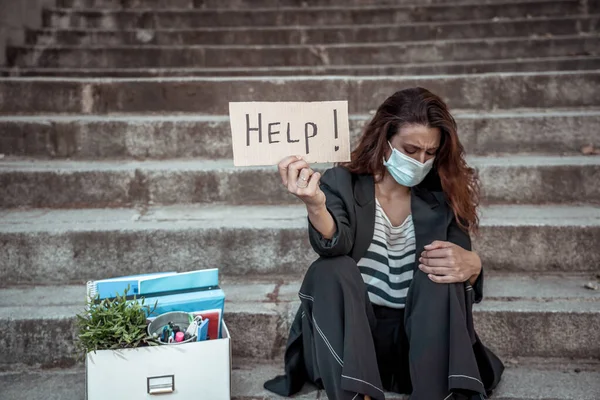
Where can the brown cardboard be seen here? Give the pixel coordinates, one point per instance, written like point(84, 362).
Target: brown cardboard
point(263, 133)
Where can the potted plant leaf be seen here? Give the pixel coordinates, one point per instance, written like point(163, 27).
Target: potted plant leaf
point(111, 324)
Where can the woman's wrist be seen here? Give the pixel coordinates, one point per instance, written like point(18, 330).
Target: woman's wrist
point(321, 220)
point(316, 209)
point(475, 262)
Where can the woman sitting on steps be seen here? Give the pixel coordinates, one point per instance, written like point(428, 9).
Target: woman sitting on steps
point(388, 304)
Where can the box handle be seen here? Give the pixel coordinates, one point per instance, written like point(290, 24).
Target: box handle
point(161, 384)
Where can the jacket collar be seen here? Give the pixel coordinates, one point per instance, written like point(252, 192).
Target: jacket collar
point(364, 192)
point(364, 189)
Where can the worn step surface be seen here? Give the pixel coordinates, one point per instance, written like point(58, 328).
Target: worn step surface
point(510, 320)
point(69, 246)
point(524, 27)
point(523, 379)
point(179, 136)
point(212, 95)
point(113, 183)
point(237, 4)
point(304, 55)
point(572, 63)
point(386, 14)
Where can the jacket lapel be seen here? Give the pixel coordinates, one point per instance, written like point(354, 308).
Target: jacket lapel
point(428, 210)
point(429, 218)
point(364, 209)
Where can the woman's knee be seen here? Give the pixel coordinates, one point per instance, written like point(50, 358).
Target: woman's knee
point(327, 269)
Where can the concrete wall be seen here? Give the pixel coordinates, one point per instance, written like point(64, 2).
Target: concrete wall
point(15, 17)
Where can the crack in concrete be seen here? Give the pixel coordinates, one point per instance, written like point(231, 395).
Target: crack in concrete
point(274, 295)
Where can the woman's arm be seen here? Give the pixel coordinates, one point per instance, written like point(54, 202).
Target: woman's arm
point(329, 228)
point(463, 239)
point(322, 221)
point(453, 261)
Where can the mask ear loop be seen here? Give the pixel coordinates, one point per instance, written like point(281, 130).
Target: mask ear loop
point(390, 157)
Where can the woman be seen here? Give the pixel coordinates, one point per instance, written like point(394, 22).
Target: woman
point(387, 306)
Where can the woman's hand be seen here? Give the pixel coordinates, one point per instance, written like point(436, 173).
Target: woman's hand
point(302, 181)
point(445, 262)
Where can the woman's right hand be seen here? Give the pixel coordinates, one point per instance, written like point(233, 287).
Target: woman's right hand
point(301, 181)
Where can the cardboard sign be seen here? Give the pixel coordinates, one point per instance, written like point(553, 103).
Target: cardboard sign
point(263, 133)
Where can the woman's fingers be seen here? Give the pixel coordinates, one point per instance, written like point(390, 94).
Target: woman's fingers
point(438, 244)
point(438, 253)
point(445, 279)
point(441, 270)
point(303, 177)
point(438, 262)
point(293, 171)
point(283, 167)
point(301, 180)
point(313, 182)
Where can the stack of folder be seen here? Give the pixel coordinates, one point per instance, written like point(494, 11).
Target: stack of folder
point(196, 292)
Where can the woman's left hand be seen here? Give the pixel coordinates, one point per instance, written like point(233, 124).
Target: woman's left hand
point(446, 262)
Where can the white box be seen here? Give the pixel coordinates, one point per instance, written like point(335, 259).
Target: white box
point(199, 370)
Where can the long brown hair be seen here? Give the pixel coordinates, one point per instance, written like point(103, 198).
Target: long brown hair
point(458, 181)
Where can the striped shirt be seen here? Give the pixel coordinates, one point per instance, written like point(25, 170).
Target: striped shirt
point(387, 266)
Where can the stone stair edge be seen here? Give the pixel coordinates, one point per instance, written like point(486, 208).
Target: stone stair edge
point(33, 164)
point(580, 63)
point(324, 46)
point(191, 4)
point(572, 17)
point(101, 183)
point(192, 116)
point(351, 7)
point(97, 95)
point(285, 216)
point(100, 80)
point(519, 292)
point(73, 245)
point(559, 379)
point(259, 316)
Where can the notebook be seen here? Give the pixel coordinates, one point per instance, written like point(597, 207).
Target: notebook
point(109, 288)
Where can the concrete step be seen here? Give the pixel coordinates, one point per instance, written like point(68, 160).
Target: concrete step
point(118, 183)
point(341, 15)
point(237, 4)
point(206, 95)
point(530, 316)
point(176, 136)
point(523, 379)
point(578, 63)
point(520, 27)
point(72, 246)
point(303, 55)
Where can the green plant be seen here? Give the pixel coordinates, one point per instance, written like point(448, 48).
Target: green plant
point(117, 323)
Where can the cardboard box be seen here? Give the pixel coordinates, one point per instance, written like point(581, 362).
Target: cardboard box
point(199, 370)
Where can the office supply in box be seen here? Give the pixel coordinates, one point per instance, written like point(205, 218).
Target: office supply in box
point(108, 288)
point(180, 326)
point(192, 292)
point(212, 317)
point(202, 333)
point(197, 370)
point(160, 282)
point(180, 282)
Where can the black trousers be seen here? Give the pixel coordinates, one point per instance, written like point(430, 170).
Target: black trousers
point(351, 347)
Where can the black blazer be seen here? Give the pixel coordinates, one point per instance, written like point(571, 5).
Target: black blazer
point(350, 200)
point(437, 317)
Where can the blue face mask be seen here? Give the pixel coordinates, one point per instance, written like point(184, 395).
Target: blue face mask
point(406, 170)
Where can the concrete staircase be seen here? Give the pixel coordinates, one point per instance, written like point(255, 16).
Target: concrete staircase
point(117, 160)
